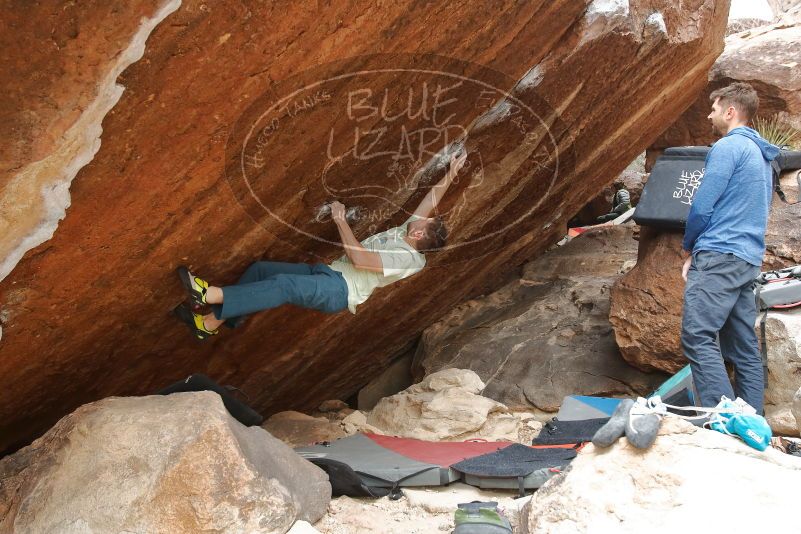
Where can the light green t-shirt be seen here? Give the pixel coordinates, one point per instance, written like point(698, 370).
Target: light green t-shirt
point(399, 259)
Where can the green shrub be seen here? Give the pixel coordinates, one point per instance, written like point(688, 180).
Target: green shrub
point(777, 131)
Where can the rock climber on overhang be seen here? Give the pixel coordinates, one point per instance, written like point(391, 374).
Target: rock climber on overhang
point(379, 260)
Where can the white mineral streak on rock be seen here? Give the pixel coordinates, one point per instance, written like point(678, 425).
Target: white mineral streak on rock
point(656, 21)
point(532, 78)
point(51, 177)
point(602, 16)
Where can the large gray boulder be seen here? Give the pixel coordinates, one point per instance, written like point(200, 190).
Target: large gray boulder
point(783, 332)
point(157, 464)
point(690, 479)
point(546, 334)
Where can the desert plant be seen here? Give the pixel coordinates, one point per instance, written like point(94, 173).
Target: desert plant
point(777, 131)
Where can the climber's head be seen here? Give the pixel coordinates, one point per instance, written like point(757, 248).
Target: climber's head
point(732, 106)
point(427, 234)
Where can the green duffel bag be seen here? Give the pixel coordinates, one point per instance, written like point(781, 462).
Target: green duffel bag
point(480, 518)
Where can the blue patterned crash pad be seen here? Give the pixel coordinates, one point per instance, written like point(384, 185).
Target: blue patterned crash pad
point(581, 407)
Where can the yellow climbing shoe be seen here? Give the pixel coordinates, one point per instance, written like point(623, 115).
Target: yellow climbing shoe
point(194, 321)
point(195, 287)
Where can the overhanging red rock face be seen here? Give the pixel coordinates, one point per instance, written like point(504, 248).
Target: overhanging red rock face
point(62, 62)
point(86, 314)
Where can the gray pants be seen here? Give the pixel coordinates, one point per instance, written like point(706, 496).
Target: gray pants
point(719, 300)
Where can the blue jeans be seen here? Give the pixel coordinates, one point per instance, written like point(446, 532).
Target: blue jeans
point(719, 301)
point(269, 284)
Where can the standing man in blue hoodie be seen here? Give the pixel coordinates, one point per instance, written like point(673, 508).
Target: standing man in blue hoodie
point(724, 242)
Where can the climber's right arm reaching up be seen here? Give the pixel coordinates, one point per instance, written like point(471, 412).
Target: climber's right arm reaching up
point(433, 197)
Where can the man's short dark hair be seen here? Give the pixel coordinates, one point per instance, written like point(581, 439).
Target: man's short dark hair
point(740, 95)
point(436, 235)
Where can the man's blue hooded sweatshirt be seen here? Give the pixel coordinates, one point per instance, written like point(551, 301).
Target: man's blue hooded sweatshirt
point(729, 213)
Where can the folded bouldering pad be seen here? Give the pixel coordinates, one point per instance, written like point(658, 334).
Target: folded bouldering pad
point(382, 463)
point(581, 407)
point(678, 390)
point(516, 466)
point(667, 196)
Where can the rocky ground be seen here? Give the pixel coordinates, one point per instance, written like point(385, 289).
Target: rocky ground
point(181, 464)
point(679, 481)
point(665, 484)
point(680, 477)
point(418, 511)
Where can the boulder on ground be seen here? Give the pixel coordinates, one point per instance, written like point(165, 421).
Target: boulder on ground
point(553, 99)
point(783, 236)
point(783, 333)
point(690, 476)
point(445, 406)
point(173, 464)
point(547, 334)
point(299, 430)
point(646, 304)
point(357, 422)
